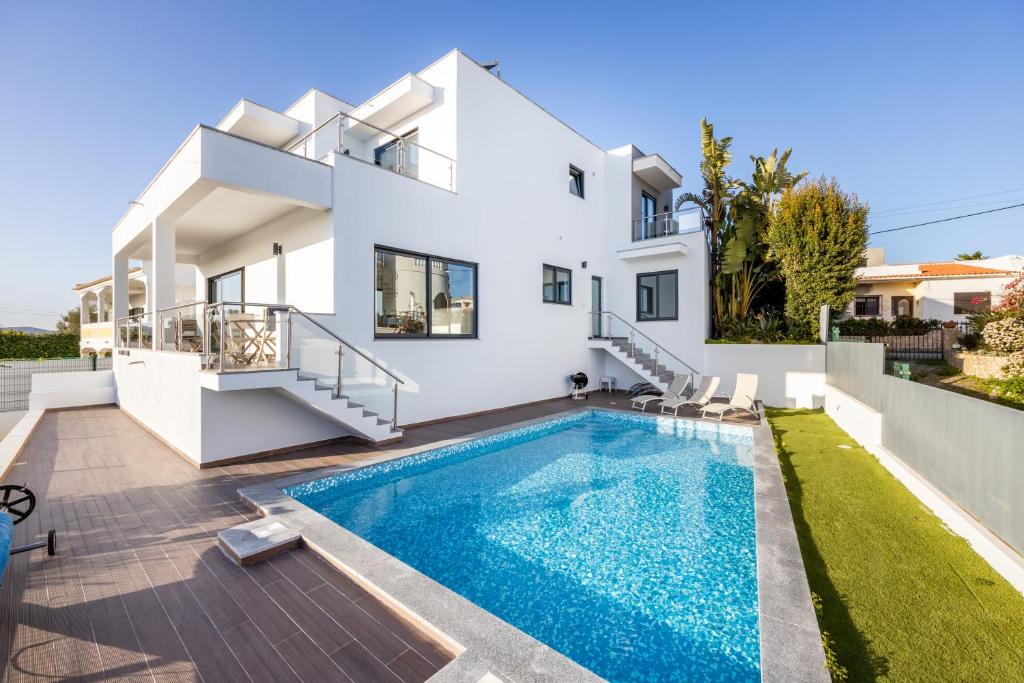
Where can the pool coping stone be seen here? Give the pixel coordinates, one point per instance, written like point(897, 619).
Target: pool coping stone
point(482, 643)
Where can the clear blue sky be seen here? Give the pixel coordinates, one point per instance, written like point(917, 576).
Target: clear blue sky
point(904, 105)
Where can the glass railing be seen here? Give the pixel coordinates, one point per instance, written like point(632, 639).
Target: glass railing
point(244, 336)
point(182, 328)
point(322, 357)
point(654, 357)
point(364, 141)
point(134, 331)
point(665, 224)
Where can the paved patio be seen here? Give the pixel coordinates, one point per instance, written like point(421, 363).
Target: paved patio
point(138, 589)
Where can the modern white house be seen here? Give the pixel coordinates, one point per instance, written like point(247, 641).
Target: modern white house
point(440, 249)
point(943, 290)
point(96, 305)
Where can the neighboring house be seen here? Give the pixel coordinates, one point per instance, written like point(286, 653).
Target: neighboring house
point(945, 290)
point(439, 248)
point(96, 305)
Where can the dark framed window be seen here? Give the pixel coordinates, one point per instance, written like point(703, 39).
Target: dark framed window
point(575, 181)
point(657, 296)
point(557, 285)
point(965, 303)
point(229, 286)
point(648, 205)
point(867, 305)
point(419, 296)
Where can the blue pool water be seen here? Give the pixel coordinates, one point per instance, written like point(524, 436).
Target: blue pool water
point(626, 542)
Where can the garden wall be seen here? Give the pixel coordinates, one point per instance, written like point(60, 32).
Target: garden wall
point(968, 449)
point(978, 365)
point(789, 375)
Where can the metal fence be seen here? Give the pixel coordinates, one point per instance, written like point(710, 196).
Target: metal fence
point(16, 376)
point(904, 346)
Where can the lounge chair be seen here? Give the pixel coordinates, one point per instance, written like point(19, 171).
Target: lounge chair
point(679, 384)
point(744, 399)
point(699, 399)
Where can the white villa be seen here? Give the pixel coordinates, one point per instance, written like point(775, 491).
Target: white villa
point(96, 305)
point(943, 290)
point(313, 230)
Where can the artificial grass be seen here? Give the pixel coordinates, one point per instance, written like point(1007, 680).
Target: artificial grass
point(899, 597)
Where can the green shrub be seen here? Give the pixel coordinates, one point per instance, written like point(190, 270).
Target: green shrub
point(977, 321)
point(879, 327)
point(817, 234)
point(1014, 368)
point(970, 341)
point(1004, 336)
point(18, 345)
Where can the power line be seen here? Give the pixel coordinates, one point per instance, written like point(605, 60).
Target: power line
point(948, 201)
point(944, 220)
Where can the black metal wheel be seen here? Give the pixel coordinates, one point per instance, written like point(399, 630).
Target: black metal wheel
point(17, 501)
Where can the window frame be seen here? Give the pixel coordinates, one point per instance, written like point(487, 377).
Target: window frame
point(577, 173)
point(986, 294)
point(555, 269)
point(656, 274)
point(429, 299)
point(209, 283)
point(878, 305)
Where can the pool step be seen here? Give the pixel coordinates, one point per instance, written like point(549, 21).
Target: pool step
point(256, 541)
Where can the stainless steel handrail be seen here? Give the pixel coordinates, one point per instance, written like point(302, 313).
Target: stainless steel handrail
point(177, 306)
point(340, 115)
point(656, 344)
point(328, 331)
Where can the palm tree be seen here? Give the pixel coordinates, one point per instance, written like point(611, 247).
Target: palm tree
point(971, 256)
point(714, 198)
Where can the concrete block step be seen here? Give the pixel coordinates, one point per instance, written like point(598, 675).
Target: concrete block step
point(256, 541)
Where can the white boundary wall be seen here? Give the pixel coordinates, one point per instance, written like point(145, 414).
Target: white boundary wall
point(789, 375)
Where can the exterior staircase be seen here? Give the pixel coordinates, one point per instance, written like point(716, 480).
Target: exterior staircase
point(640, 353)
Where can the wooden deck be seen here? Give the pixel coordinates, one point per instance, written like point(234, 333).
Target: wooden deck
point(139, 590)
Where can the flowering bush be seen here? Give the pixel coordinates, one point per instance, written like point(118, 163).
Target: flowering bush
point(1014, 369)
point(1005, 336)
point(1013, 295)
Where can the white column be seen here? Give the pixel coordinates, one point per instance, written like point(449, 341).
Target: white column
point(119, 287)
point(83, 308)
point(160, 288)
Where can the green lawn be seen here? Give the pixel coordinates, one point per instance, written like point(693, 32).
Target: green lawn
point(901, 598)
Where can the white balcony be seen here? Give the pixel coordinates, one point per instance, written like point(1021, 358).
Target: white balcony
point(656, 172)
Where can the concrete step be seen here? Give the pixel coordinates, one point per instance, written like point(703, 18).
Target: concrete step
point(256, 541)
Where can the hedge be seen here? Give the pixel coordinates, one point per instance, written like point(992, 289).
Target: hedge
point(880, 327)
point(15, 345)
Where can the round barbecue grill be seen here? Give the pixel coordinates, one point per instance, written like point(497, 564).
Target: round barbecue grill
point(579, 383)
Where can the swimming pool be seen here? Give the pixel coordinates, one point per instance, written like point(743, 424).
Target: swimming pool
point(626, 542)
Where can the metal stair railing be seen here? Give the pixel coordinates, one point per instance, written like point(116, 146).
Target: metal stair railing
point(277, 319)
point(610, 318)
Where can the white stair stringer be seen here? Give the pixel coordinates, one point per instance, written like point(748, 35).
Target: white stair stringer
point(310, 392)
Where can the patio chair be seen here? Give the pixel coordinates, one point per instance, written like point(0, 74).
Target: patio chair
point(699, 398)
point(190, 337)
point(744, 399)
point(679, 384)
point(16, 504)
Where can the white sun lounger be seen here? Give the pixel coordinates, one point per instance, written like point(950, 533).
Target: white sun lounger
point(679, 384)
point(744, 399)
point(699, 399)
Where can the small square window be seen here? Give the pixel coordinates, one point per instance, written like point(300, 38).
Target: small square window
point(557, 285)
point(576, 181)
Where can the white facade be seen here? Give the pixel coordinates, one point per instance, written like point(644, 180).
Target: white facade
point(302, 209)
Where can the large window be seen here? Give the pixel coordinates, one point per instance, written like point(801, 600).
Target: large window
point(228, 286)
point(965, 303)
point(417, 295)
point(657, 296)
point(557, 285)
point(575, 181)
point(867, 305)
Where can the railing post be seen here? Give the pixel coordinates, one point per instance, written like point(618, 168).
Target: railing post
point(220, 350)
point(655, 359)
point(401, 156)
point(341, 360)
point(394, 408)
point(632, 344)
point(288, 349)
point(339, 134)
